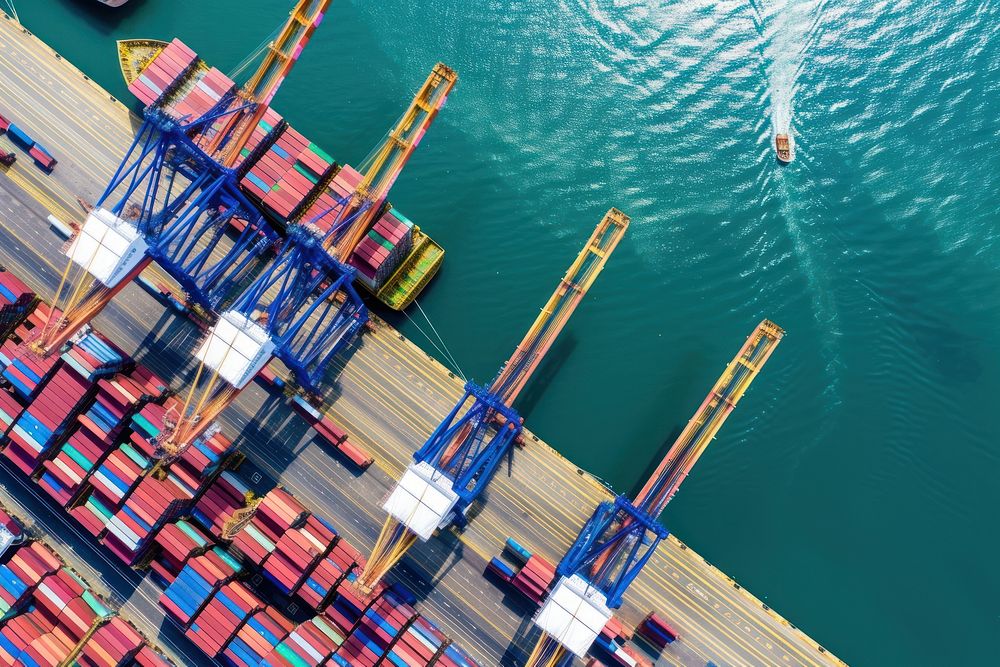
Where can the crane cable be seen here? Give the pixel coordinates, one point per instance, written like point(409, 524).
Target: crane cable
point(9, 4)
point(250, 59)
point(443, 347)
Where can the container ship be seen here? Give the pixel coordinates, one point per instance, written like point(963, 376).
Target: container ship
point(285, 173)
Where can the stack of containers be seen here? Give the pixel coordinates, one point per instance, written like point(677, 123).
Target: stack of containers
point(199, 95)
point(257, 639)
point(655, 630)
point(94, 357)
point(265, 126)
point(26, 331)
point(44, 423)
point(115, 643)
point(323, 212)
point(150, 384)
point(614, 630)
point(376, 632)
point(16, 302)
point(26, 372)
point(454, 656)
point(226, 494)
point(61, 614)
point(201, 460)
point(309, 168)
point(219, 621)
point(416, 645)
point(534, 578)
point(198, 581)
point(324, 580)
point(290, 187)
point(331, 433)
point(347, 606)
point(147, 657)
point(297, 552)
point(277, 512)
point(163, 72)
point(152, 503)
point(113, 480)
point(425, 639)
point(264, 175)
point(10, 410)
point(624, 656)
point(310, 644)
point(21, 575)
point(64, 475)
point(383, 249)
point(176, 544)
point(148, 423)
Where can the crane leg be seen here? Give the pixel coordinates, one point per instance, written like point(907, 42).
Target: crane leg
point(392, 544)
point(547, 653)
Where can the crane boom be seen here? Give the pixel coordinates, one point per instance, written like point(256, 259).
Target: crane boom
point(529, 353)
point(706, 422)
point(280, 56)
point(456, 463)
point(621, 536)
point(385, 163)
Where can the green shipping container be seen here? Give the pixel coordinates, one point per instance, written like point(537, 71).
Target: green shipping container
point(319, 152)
point(379, 239)
point(302, 169)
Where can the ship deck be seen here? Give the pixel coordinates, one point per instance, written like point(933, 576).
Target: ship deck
point(389, 395)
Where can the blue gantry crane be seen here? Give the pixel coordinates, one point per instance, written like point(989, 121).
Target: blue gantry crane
point(167, 202)
point(303, 308)
point(461, 456)
point(173, 199)
point(621, 536)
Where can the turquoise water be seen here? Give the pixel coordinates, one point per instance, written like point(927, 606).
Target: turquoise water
point(852, 489)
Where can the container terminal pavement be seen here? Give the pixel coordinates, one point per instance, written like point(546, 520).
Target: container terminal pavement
point(390, 396)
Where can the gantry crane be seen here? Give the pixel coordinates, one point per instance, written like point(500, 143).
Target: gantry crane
point(622, 535)
point(172, 199)
point(302, 308)
point(352, 217)
point(460, 457)
point(168, 203)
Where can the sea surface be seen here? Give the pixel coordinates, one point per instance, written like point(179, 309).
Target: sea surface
point(855, 489)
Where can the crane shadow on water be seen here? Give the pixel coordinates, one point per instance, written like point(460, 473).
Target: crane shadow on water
point(546, 372)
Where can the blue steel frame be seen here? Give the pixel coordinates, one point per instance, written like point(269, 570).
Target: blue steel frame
point(624, 536)
point(307, 323)
point(175, 224)
point(486, 433)
point(341, 221)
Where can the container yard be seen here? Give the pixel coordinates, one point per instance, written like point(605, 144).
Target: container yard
point(255, 530)
point(50, 616)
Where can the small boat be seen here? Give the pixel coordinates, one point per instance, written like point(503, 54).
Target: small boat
point(113, 3)
point(783, 147)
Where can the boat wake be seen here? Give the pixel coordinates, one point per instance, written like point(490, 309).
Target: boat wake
point(788, 28)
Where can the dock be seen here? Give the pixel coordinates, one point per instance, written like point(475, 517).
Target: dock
point(389, 396)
